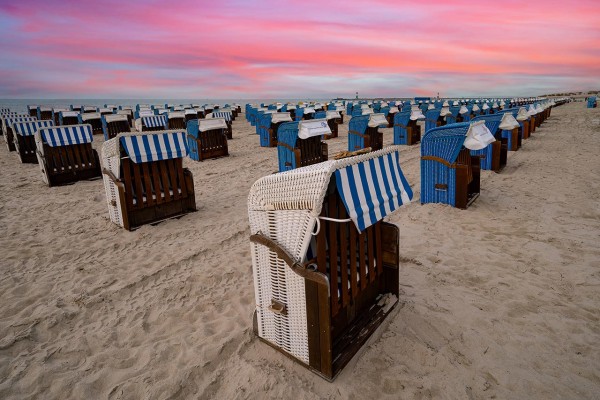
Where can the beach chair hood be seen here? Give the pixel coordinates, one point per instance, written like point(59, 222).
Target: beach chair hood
point(314, 127)
point(377, 120)
point(371, 186)
point(280, 117)
point(508, 122)
point(478, 136)
point(66, 135)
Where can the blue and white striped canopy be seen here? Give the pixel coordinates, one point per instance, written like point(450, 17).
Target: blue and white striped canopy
point(154, 121)
point(226, 115)
point(373, 189)
point(30, 128)
point(155, 146)
point(67, 135)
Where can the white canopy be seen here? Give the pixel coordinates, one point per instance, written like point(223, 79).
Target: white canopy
point(508, 122)
point(377, 119)
point(478, 136)
point(332, 115)
point(463, 110)
point(211, 123)
point(281, 117)
point(313, 127)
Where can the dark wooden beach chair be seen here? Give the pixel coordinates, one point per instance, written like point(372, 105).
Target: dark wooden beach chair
point(24, 139)
point(65, 154)
point(319, 298)
point(300, 144)
point(145, 187)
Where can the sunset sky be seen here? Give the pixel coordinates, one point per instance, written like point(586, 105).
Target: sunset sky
point(295, 49)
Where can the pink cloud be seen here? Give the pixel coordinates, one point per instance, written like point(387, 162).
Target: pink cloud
point(243, 48)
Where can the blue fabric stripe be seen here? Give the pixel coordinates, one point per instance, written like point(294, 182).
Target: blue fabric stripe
point(367, 193)
point(378, 190)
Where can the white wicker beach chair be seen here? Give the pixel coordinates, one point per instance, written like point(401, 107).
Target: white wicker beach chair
point(325, 265)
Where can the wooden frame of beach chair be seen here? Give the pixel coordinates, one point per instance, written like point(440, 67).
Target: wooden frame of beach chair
point(65, 154)
point(299, 143)
point(24, 139)
point(56, 115)
point(147, 187)
point(449, 173)
point(7, 126)
point(324, 281)
point(114, 124)
point(207, 138)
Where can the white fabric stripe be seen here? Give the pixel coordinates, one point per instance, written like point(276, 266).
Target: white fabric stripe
point(388, 172)
point(171, 139)
point(163, 146)
point(374, 202)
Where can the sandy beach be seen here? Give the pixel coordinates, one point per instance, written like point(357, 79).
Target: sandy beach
point(499, 301)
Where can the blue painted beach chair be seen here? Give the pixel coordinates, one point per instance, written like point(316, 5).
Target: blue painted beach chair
point(65, 154)
point(433, 119)
point(7, 128)
point(113, 124)
point(406, 130)
point(363, 132)
point(494, 156)
point(510, 129)
point(24, 139)
point(144, 178)
point(299, 143)
point(450, 173)
point(207, 138)
point(325, 263)
point(591, 102)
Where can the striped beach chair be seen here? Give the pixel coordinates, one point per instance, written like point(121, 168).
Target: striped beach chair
point(325, 264)
point(94, 119)
point(153, 123)
point(363, 132)
point(494, 156)
point(7, 129)
point(226, 115)
point(144, 178)
point(24, 139)
point(299, 143)
point(207, 138)
point(450, 174)
point(113, 124)
point(65, 154)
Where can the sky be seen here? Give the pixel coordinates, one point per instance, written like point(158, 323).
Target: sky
point(297, 49)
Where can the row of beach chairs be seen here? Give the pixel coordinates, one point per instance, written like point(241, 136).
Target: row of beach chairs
point(325, 263)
